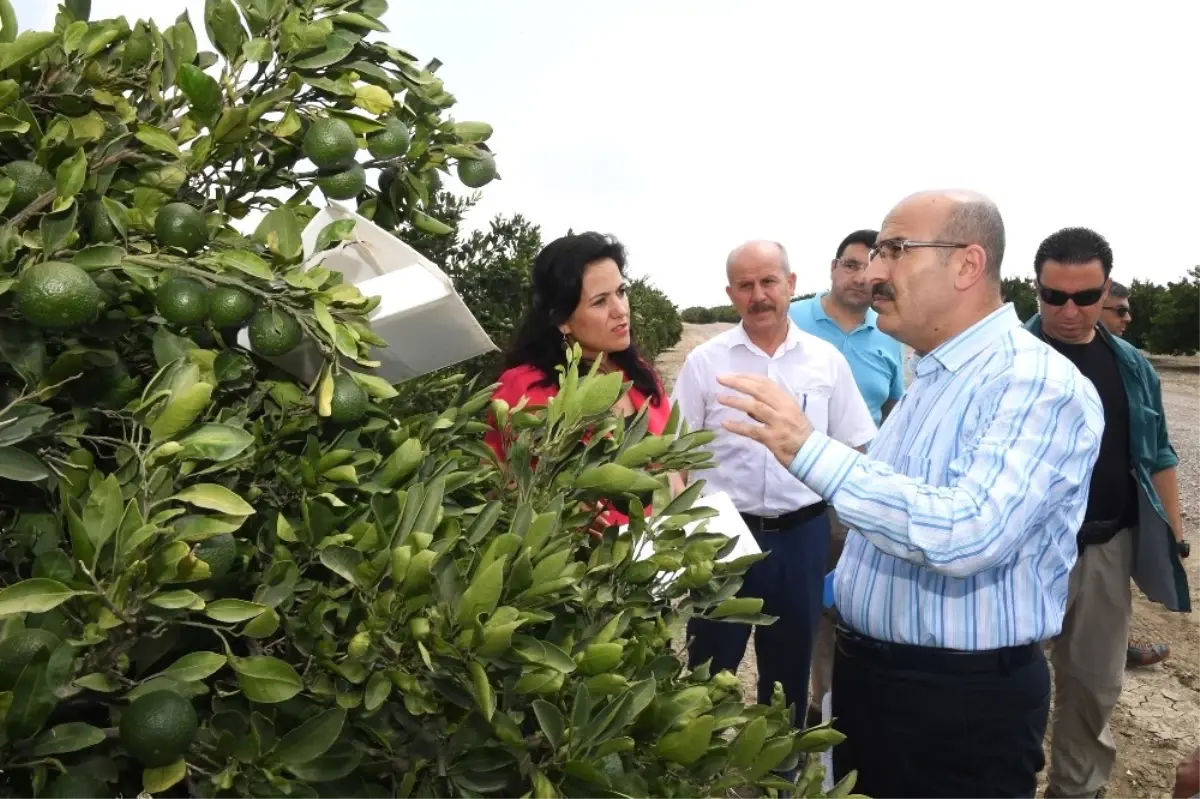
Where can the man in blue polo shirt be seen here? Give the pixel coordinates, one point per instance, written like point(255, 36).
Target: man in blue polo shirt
point(843, 316)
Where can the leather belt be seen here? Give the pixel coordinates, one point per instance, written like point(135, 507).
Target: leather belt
point(1098, 532)
point(786, 521)
point(934, 660)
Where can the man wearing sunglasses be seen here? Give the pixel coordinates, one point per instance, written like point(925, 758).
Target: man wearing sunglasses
point(962, 518)
point(1116, 319)
point(1116, 316)
point(1132, 517)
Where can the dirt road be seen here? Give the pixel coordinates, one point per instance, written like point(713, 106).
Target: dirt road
point(1157, 721)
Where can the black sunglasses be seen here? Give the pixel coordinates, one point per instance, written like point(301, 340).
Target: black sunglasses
point(1080, 298)
point(1119, 310)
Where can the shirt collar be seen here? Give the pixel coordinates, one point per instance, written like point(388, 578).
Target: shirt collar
point(819, 313)
point(740, 338)
point(958, 351)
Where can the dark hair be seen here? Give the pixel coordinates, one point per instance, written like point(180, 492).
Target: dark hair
point(978, 222)
point(556, 284)
point(864, 237)
point(1117, 290)
point(1074, 246)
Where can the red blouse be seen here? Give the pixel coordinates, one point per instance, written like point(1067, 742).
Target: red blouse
point(519, 382)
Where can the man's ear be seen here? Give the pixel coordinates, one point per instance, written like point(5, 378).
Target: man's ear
point(972, 268)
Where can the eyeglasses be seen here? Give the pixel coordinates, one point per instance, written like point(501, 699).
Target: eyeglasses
point(1119, 310)
point(894, 249)
point(851, 266)
point(1081, 298)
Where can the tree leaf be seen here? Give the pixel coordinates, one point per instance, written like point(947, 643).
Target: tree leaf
point(246, 262)
point(99, 256)
point(102, 513)
point(57, 228)
point(195, 666)
point(324, 319)
point(334, 232)
point(98, 682)
point(257, 50)
point(70, 175)
point(22, 421)
point(224, 28)
point(202, 91)
point(157, 780)
point(231, 611)
point(32, 700)
point(343, 561)
point(25, 47)
point(216, 442)
point(689, 744)
point(551, 719)
point(338, 45)
point(69, 737)
point(181, 410)
point(544, 653)
point(427, 224)
point(211, 496)
point(280, 231)
point(266, 679)
point(17, 464)
point(182, 599)
point(483, 594)
point(373, 99)
point(37, 595)
point(311, 739)
point(377, 387)
point(379, 687)
point(118, 214)
point(157, 139)
point(359, 21)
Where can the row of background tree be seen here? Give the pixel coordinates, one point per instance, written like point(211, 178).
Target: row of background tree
point(1166, 319)
point(490, 269)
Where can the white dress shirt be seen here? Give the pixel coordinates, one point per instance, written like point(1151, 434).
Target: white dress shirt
point(813, 372)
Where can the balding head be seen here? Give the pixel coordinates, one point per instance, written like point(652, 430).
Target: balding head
point(963, 217)
point(758, 252)
point(948, 278)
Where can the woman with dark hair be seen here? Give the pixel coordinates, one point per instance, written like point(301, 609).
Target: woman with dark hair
point(579, 296)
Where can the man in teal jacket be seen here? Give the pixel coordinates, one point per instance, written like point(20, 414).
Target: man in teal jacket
point(1133, 514)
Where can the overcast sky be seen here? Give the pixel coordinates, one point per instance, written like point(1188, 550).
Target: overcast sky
point(686, 128)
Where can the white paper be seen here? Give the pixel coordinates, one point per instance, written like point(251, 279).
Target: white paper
point(420, 315)
point(728, 522)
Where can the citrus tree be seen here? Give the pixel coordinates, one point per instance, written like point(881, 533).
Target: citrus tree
point(215, 580)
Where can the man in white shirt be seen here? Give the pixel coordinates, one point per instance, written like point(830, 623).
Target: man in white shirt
point(787, 519)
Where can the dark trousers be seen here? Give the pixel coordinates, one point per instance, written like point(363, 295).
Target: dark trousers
point(923, 722)
point(789, 581)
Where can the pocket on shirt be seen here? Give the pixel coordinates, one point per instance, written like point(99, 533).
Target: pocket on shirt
point(814, 400)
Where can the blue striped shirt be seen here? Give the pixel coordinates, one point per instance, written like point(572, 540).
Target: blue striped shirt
point(963, 517)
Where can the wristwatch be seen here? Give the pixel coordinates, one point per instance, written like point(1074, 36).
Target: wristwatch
point(1185, 548)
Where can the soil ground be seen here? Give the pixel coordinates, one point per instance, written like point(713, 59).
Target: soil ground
point(1157, 720)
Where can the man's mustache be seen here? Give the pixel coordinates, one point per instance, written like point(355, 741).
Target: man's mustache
point(759, 307)
point(882, 291)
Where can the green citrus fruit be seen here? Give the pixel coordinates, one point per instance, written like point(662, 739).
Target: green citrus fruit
point(182, 301)
point(18, 650)
point(344, 185)
point(30, 181)
point(58, 295)
point(229, 306)
point(219, 552)
point(99, 225)
point(77, 786)
point(349, 402)
point(391, 142)
point(273, 332)
point(180, 225)
point(477, 173)
point(330, 144)
point(158, 727)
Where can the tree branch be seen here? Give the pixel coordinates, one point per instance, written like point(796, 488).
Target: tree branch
point(48, 197)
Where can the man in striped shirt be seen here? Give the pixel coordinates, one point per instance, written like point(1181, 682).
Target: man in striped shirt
point(962, 517)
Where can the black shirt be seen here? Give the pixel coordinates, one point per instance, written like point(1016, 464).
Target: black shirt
point(1111, 496)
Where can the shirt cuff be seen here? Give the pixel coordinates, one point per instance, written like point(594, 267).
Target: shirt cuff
point(822, 464)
